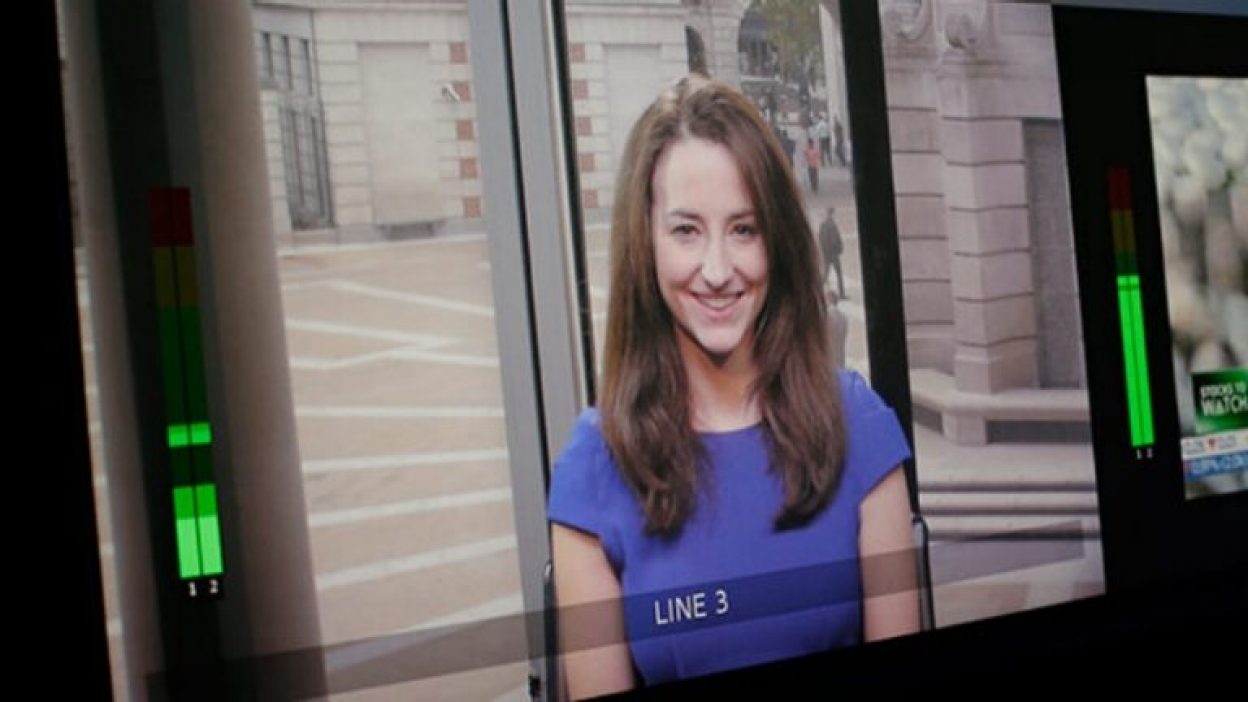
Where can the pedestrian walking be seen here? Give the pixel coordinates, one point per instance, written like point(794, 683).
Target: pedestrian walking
point(825, 141)
point(812, 164)
point(832, 246)
point(838, 133)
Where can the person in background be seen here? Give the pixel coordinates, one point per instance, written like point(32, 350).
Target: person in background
point(825, 141)
point(831, 245)
point(812, 164)
point(838, 134)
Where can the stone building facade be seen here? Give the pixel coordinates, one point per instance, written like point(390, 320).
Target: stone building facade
point(987, 255)
point(395, 86)
point(389, 91)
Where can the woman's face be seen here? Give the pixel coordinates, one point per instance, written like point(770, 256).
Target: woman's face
point(710, 258)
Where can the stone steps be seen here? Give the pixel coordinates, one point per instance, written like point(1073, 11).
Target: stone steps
point(1012, 527)
point(1011, 503)
point(995, 506)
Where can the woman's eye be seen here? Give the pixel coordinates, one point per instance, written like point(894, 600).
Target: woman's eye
point(745, 230)
point(684, 230)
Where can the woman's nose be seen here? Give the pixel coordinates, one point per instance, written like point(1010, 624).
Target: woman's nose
point(716, 263)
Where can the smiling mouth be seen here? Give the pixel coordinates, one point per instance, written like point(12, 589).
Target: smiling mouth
point(719, 302)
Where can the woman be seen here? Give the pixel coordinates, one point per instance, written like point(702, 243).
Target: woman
point(713, 509)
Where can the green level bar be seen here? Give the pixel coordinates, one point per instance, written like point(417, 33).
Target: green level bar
point(1141, 367)
point(1125, 309)
point(189, 562)
point(1135, 356)
point(194, 434)
point(209, 528)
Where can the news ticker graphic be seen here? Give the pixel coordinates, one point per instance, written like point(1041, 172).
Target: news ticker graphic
point(197, 529)
point(1130, 309)
point(1221, 444)
point(417, 653)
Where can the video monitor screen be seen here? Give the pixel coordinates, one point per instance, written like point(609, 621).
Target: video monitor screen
point(1199, 129)
point(403, 374)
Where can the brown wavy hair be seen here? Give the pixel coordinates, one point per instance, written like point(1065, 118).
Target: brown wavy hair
point(646, 417)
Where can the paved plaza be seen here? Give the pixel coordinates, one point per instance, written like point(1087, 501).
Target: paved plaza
point(399, 407)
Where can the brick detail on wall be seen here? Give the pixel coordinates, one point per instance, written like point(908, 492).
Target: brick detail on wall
point(472, 207)
point(464, 89)
point(464, 130)
point(585, 162)
point(589, 199)
point(468, 168)
point(584, 126)
point(580, 89)
point(459, 52)
point(576, 52)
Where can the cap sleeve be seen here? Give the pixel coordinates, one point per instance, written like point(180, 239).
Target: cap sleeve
point(582, 491)
point(875, 443)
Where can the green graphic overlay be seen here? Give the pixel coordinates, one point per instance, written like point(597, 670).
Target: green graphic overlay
point(189, 435)
point(1139, 393)
point(1221, 400)
point(1130, 311)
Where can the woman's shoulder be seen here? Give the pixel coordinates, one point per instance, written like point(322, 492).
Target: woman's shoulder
point(585, 461)
point(586, 440)
point(857, 396)
point(586, 491)
point(875, 442)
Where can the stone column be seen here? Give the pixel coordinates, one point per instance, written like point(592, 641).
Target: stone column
point(986, 215)
point(910, 55)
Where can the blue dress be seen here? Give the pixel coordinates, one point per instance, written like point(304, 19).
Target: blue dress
point(730, 591)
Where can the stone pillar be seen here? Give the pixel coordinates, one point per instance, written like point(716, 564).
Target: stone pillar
point(910, 55)
point(986, 213)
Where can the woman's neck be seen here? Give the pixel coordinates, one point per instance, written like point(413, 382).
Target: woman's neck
point(720, 388)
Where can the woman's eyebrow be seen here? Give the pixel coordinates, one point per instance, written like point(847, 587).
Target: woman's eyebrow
point(690, 214)
point(684, 214)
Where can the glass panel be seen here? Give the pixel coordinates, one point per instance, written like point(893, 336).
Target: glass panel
point(993, 332)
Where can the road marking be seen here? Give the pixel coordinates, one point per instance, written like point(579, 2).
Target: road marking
point(331, 249)
point(403, 460)
point(407, 353)
point(441, 303)
point(328, 412)
point(336, 329)
point(417, 506)
point(450, 359)
point(357, 575)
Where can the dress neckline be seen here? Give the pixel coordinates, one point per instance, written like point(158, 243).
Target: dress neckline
point(729, 433)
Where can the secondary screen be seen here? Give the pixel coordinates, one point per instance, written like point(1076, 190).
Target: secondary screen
point(1200, 155)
